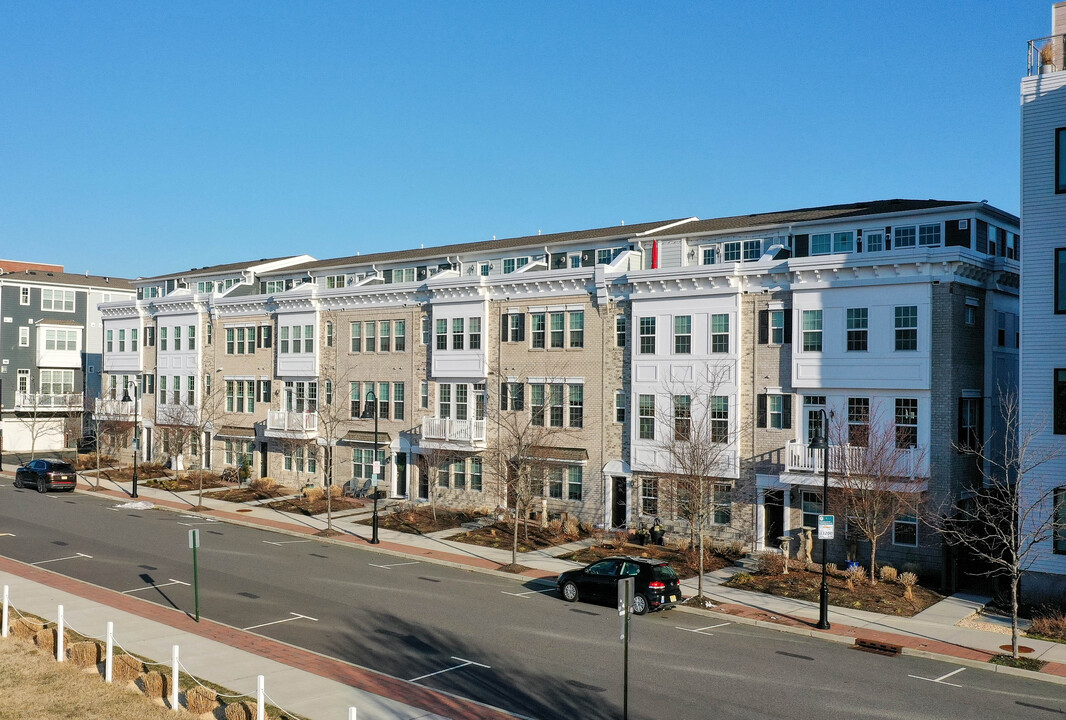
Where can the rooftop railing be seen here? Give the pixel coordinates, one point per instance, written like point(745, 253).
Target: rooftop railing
point(1047, 54)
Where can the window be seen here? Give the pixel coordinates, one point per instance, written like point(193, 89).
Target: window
point(708, 255)
point(683, 334)
point(1060, 278)
point(475, 473)
point(283, 340)
point(619, 406)
point(508, 265)
point(904, 236)
point(462, 407)
point(777, 327)
point(536, 401)
point(649, 496)
point(190, 390)
point(442, 334)
point(398, 401)
point(646, 408)
point(843, 242)
point(537, 330)
point(906, 423)
point(354, 400)
point(24, 337)
point(1060, 160)
point(57, 300)
point(875, 241)
point(752, 250)
point(121, 340)
point(573, 483)
point(719, 408)
point(240, 395)
point(192, 338)
point(731, 252)
point(720, 333)
point(444, 400)
point(370, 340)
point(177, 337)
point(620, 331)
point(162, 339)
point(24, 296)
point(775, 410)
point(577, 329)
point(858, 329)
point(970, 434)
point(110, 340)
point(334, 281)
point(273, 286)
point(858, 421)
point(514, 327)
point(329, 334)
point(682, 417)
point(484, 268)
point(1059, 524)
point(149, 336)
point(383, 400)
point(604, 256)
point(1059, 403)
point(557, 329)
point(457, 333)
point(423, 395)
point(355, 329)
point(512, 396)
point(723, 504)
point(929, 235)
point(821, 244)
point(474, 328)
point(56, 382)
point(812, 330)
point(426, 331)
point(577, 406)
point(68, 340)
point(811, 502)
point(555, 483)
point(905, 531)
point(647, 336)
point(555, 403)
point(907, 327)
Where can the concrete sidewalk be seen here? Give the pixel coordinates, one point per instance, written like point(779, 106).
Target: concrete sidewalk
point(931, 632)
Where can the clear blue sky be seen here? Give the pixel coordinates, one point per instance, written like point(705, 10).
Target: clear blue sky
point(142, 138)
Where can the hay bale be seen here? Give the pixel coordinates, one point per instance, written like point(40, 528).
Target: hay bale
point(154, 684)
point(26, 628)
point(85, 654)
point(242, 710)
point(200, 700)
point(45, 640)
point(126, 668)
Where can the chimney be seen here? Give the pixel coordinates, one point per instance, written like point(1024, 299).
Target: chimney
point(1058, 18)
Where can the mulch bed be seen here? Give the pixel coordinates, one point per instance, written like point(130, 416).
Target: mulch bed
point(419, 521)
point(884, 597)
point(499, 535)
point(187, 482)
point(684, 563)
point(145, 471)
point(305, 506)
point(246, 494)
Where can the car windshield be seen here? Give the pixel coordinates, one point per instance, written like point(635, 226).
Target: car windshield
point(663, 572)
point(62, 467)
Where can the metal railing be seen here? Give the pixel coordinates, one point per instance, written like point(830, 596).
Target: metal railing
point(106, 407)
point(48, 401)
point(468, 431)
point(1047, 54)
point(292, 421)
point(844, 459)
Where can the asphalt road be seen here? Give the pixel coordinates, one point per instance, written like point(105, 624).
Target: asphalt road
point(489, 638)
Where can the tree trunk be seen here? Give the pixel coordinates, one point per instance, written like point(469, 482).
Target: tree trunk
point(699, 584)
point(1014, 615)
point(329, 509)
point(200, 490)
point(514, 536)
point(873, 562)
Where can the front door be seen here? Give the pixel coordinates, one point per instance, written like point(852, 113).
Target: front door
point(773, 517)
point(263, 458)
point(619, 508)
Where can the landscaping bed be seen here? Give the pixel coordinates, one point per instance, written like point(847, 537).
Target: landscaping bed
point(684, 562)
point(145, 471)
point(315, 505)
point(419, 520)
point(249, 494)
point(499, 535)
point(884, 597)
point(189, 481)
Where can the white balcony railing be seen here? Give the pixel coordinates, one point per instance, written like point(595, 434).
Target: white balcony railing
point(108, 408)
point(845, 459)
point(46, 401)
point(461, 431)
point(292, 422)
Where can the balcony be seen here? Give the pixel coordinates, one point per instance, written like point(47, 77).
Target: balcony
point(1047, 54)
point(45, 402)
point(107, 409)
point(281, 423)
point(460, 434)
point(844, 459)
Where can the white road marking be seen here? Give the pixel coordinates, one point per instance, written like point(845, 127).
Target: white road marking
point(155, 585)
point(69, 557)
point(7, 534)
point(700, 631)
point(196, 523)
point(390, 567)
point(199, 517)
point(295, 616)
point(465, 663)
point(284, 542)
point(527, 593)
point(940, 680)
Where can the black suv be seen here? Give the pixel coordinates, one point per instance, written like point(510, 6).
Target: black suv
point(47, 475)
point(656, 584)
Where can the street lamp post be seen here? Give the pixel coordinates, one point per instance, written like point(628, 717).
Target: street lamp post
point(372, 400)
point(136, 428)
point(820, 441)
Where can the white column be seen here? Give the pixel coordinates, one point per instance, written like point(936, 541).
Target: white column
point(174, 680)
point(59, 636)
point(3, 631)
point(260, 701)
point(109, 658)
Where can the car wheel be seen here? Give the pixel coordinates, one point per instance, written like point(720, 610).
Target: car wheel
point(570, 591)
point(18, 481)
point(42, 486)
point(640, 604)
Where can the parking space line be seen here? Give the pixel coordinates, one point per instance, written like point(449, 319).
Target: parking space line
point(940, 680)
point(69, 557)
point(155, 585)
point(390, 567)
point(701, 631)
point(527, 593)
point(465, 663)
point(295, 616)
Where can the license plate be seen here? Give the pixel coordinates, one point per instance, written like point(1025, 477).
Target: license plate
point(673, 598)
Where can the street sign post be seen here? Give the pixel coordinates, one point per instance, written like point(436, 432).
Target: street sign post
point(194, 543)
point(626, 587)
point(825, 527)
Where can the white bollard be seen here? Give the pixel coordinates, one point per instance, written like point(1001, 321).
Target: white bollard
point(351, 713)
point(174, 680)
point(109, 658)
point(3, 632)
point(59, 637)
point(260, 701)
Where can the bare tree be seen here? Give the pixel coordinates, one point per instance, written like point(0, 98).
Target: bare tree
point(109, 432)
point(36, 411)
point(302, 450)
point(431, 460)
point(1009, 514)
point(874, 463)
point(187, 426)
point(700, 449)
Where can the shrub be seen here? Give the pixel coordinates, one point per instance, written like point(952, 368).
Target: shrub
point(813, 567)
point(154, 684)
point(854, 574)
point(571, 527)
point(1049, 623)
point(263, 484)
point(908, 580)
point(831, 568)
point(313, 494)
point(125, 668)
point(335, 491)
point(240, 711)
point(200, 700)
point(84, 654)
point(887, 573)
point(770, 563)
point(731, 550)
point(740, 579)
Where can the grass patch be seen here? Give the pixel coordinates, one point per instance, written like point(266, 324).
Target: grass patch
point(1022, 663)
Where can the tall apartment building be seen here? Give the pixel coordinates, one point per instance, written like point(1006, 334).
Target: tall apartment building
point(1043, 352)
point(50, 350)
point(615, 341)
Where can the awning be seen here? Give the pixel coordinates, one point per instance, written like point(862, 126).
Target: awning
point(232, 431)
point(558, 454)
point(366, 436)
point(918, 485)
